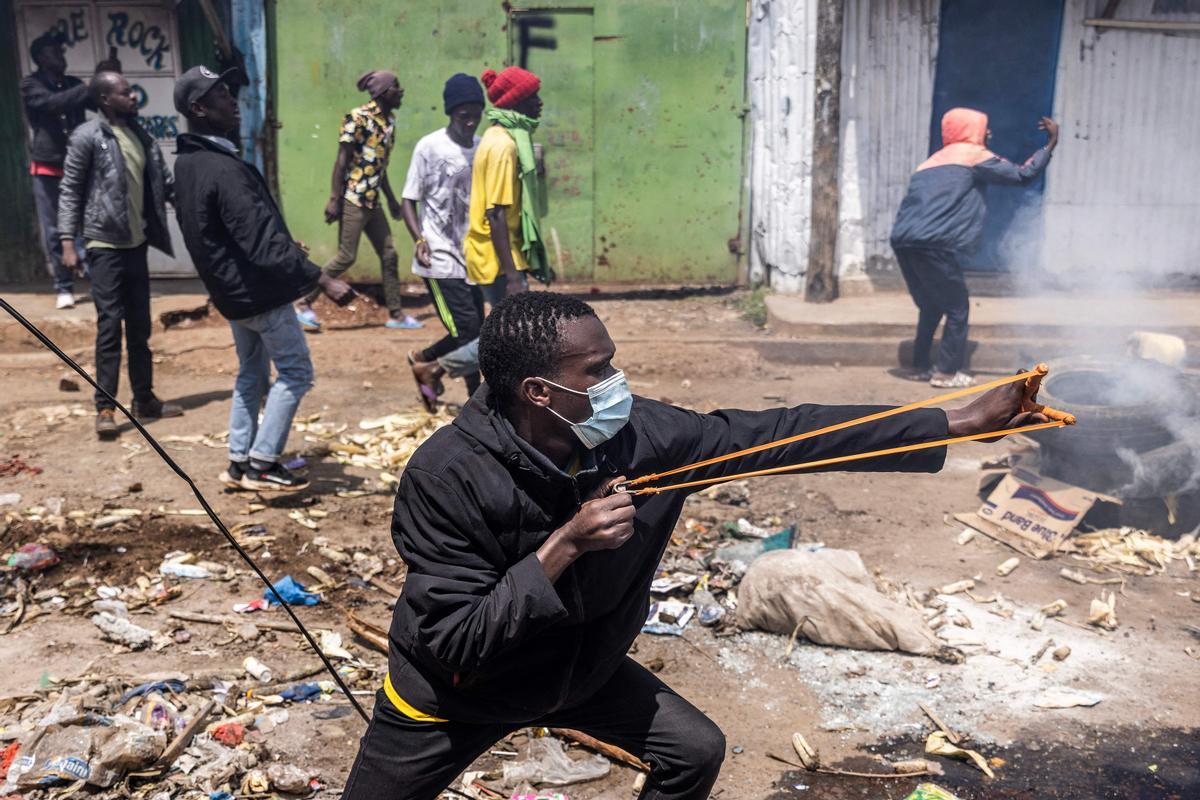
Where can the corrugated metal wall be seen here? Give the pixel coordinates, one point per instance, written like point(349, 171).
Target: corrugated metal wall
point(1121, 192)
point(888, 58)
point(780, 52)
point(887, 88)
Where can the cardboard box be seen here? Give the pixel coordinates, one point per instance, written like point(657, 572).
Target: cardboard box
point(1038, 510)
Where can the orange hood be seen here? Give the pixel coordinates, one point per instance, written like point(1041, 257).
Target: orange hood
point(964, 131)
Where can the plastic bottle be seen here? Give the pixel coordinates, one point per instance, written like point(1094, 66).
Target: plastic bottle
point(257, 669)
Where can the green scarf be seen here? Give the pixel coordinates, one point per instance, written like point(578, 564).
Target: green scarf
point(533, 197)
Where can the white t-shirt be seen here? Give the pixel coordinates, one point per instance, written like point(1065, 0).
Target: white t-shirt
point(439, 178)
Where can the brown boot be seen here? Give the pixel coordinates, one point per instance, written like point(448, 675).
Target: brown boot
point(106, 425)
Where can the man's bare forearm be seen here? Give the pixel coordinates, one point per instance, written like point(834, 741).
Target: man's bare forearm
point(410, 219)
point(337, 183)
point(498, 226)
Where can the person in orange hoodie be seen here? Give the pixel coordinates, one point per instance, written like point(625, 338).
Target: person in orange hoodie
point(940, 222)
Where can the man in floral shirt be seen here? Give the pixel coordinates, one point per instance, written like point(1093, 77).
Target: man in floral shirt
point(359, 177)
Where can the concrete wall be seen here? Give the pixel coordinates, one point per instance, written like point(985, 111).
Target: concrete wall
point(1121, 192)
point(645, 162)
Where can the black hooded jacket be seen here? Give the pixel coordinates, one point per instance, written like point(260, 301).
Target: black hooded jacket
point(235, 233)
point(479, 633)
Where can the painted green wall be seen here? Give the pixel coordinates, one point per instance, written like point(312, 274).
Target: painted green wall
point(651, 192)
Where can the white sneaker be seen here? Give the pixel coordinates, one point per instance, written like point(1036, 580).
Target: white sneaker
point(65, 300)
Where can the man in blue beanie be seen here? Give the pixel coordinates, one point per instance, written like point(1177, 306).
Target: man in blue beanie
point(439, 179)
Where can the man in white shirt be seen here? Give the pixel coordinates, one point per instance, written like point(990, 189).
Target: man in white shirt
point(439, 178)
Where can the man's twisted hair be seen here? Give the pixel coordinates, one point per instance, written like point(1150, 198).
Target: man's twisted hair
point(522, 338)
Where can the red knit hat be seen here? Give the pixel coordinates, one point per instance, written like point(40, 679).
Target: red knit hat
point(511, 86)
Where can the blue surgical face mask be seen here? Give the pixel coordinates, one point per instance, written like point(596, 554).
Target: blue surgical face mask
point(611, 402)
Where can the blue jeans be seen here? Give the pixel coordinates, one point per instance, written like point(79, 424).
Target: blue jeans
point(271, 337)
point(45, 199)
point(465, 360)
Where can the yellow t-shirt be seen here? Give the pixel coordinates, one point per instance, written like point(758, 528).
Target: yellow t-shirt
point(495, 181)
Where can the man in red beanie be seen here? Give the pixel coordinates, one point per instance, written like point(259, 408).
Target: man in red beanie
point(504, 240)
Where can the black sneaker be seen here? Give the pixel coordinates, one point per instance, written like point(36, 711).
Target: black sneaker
point(275, 478)
point(232, 477)
point(155, 409)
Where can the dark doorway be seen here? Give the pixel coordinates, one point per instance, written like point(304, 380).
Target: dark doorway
point(1001, 59)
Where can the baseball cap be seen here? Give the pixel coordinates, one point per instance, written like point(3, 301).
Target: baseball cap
point(195, 83)
point(54, 37)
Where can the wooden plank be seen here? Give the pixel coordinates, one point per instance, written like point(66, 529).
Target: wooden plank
point(820, 279)
point(606, 750)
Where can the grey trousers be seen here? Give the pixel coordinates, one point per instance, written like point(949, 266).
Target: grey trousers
point(373, 222)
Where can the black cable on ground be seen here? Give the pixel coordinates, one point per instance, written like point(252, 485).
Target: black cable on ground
point(45, 340)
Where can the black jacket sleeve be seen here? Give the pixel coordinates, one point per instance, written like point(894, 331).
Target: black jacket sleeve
point(73, 188)
point(467, 608)
point(259, 232)
point(693, 437)
point(1002, 171)
point(37, 97)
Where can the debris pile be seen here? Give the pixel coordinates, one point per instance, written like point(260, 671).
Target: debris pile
point(384, 444)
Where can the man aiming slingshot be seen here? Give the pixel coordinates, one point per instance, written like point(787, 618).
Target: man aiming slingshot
point(528, 577)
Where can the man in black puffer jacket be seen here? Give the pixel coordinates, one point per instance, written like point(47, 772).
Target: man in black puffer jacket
point(253, 270)
point(528, 578)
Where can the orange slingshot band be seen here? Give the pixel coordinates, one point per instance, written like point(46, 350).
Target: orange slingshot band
point(825, 462)
point(1033, 379)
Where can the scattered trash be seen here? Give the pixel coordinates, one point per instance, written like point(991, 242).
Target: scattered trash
point(809, 758)
point(958, 586)
point(302, 692)
point(665, 584)
point(10, 499)
point(122, 631)
point(966, 535)
point(1073, 575)
point(708, 610)
point(668, 617)
point(289, 778)
point(77, 746)
point(384, 444)
point(259, 604)
point(931, 791)
point(1005, 569)
point(829, 598)
point(258, 670)
point(33, 557)
point(1131, 551)
point(1103, 612)
point(917, 765)
point(938, 745)
point(1062, 653)
point(193, 571)
point(546, 764)
point(15, 466)
point(1039, 512)
point(68, 385)
point(292, 592)
point(748, 530)
point(1066, 698)
point(231, 734)
point(734, 493)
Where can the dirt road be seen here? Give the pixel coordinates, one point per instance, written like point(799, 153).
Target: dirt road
point(1139, 741)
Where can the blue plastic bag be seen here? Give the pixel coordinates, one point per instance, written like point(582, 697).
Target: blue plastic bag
point(291, 591)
